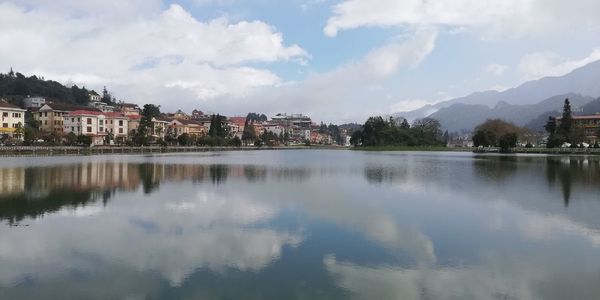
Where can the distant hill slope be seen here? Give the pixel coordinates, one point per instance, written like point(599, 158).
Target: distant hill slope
point(465, 117)
point(14, 87)
point(584, 81)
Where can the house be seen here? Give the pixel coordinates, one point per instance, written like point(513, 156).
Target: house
point(160, 126)
point(191, 127)
point(50, 115)
point(88, 123)
point(117, 124)
point(34, 102)
point(12, 119)
point(129, 109)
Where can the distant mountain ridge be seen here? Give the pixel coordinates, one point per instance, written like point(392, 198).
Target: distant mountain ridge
point(465, 117)
point(584, 81)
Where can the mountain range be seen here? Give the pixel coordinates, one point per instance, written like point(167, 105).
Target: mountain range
point(521, 105)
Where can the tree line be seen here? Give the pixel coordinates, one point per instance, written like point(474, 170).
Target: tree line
point(378, 132)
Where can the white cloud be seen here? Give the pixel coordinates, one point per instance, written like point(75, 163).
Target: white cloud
point(541, 64)
point(159, 56)
point(496, 69)
point(350, 86)
point(492, 18)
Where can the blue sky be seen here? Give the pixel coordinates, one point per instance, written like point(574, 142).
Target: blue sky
point(337, 60)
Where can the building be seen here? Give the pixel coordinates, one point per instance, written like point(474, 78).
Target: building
point(88, 123)
point(590, 125)
point(51, 115)
point(286, 120)
point(34, 102)
point(129, 109)
point(94, 97)
point(133, 123)
point(117, 124)
point(159, 127)
point(12, 119)
point(191, 127)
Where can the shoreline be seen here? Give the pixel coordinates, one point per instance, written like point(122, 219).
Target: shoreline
point(15, 151)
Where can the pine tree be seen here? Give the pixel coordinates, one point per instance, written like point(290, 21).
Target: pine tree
point(566, 122)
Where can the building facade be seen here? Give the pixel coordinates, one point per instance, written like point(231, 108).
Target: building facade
point(12, 120)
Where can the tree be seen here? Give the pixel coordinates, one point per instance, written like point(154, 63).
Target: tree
point(84, 140)
point(550, 126)
point(149, 112)
point(507, 141)
point(566, 122)
point(235, 142)
point(218, 126)
point(427, 131)
point(184, 139)
point(404, 124)
point(249, 134)
point(356, 138)
point(496, 128)
point(71, 139)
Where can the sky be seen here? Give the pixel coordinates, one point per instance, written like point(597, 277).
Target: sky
point(335, 60)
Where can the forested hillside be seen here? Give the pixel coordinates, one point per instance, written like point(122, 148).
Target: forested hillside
point(14, 87)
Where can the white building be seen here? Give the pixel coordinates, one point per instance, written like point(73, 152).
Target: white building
point(117, 124)
point(31, 102)
point(88, 123)
point(12, 117)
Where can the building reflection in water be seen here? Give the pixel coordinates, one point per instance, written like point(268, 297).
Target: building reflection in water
point(34, 191)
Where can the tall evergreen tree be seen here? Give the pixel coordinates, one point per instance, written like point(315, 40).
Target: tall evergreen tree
point(565, 128)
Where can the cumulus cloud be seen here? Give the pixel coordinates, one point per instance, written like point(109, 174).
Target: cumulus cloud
point(541, 64)
point(155, 56)
point(492, 18)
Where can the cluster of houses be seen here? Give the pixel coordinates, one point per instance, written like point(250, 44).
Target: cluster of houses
point(118, 124)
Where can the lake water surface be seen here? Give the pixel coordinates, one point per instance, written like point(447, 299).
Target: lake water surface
point(300, 225)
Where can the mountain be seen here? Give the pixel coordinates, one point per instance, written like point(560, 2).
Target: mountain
point(465, 117)
point(584, 81)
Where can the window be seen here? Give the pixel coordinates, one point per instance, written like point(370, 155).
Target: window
point(5, 114)
point(89, 121)
point(72, 128)
point(101, 129)
point(16, 115)
point(100, 122)
point(111, 122)
point(120, 122)
point(89, 129)
point(40, 115)
point(78, 119)
point(120, 130)
point(5, 125)
point(45, 114)
point(73, 120)
point(45, 122)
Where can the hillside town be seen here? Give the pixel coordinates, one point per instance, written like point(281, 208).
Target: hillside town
point(100, 123)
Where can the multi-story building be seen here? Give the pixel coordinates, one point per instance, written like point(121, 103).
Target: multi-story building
point(117, 124)
point(12, 118)
point(51, 115)
point(34, 102)
point(286, 120)
point(590, 125)
point(88, 123)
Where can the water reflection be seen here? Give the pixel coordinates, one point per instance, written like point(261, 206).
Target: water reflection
point(364, 226)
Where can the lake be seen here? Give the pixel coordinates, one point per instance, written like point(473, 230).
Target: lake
point(300, 224)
